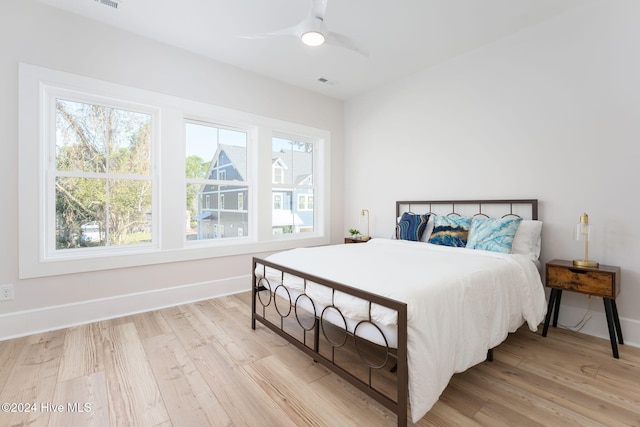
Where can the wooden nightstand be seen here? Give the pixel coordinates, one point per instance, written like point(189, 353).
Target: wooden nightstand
point(603, 281)
point(352, 240)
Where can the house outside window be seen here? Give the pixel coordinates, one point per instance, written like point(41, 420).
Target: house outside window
point(292, 165)
point(216, 166)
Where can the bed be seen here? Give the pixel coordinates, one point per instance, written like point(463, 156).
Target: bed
point(398, 317)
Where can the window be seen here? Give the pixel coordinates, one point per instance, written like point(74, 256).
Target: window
point(101, 187)
point(277, 201)
point(292, 180)
point(99, 173)
point(216, 162)
point(278, 174)
point(305, 202)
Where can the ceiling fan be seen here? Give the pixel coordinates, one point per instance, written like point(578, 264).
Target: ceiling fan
point(313, 31)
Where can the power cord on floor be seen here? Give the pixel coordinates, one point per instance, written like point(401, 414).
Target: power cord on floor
point(578, 326)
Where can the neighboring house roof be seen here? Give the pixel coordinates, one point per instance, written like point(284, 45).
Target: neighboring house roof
point(237, 156)
point(298, 165)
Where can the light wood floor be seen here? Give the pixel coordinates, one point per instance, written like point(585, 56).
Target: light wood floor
point(201, 364)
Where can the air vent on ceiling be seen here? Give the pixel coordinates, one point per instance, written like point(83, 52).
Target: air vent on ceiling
point(326, 81)
point(110, 3)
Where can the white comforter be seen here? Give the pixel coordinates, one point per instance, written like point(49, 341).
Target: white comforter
point(460, 302)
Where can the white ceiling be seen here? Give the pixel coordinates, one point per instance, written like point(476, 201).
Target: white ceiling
point(402, 36)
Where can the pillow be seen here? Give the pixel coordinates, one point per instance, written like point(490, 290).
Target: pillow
point(493, 234)
point(411, 226)
point(450, 231)
point(528, 238)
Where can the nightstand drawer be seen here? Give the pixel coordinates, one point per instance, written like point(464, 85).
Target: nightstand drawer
point(592, 282)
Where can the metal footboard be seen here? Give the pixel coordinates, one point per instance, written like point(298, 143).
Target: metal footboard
point(377, 368)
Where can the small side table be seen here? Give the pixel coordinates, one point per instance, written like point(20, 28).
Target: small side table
point(603, 281)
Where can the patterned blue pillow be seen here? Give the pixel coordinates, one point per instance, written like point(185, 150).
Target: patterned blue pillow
point(450, 230)
point(411, 226)
point(493, 234)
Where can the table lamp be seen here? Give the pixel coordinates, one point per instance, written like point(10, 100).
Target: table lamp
point(583, 230)
point(363, 213)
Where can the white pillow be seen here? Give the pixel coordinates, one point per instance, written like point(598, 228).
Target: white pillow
point(527, 240)
point(428, 230)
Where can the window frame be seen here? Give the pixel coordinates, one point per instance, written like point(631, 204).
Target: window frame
point(171, 245)
point(50, 96)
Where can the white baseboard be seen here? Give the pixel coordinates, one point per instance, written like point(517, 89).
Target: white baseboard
point(28, 322)
point(597, 325)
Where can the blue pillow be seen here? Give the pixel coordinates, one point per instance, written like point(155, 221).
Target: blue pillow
point(493, 234)
point(450, 230)
point(411, 226)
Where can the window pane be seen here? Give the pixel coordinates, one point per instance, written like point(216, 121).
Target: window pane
point(80, 212)
point(216, 212)
point(215, 153)
point(96, 138)
point(305, 211)
point(129, 212)
point(292, 192)
point(292, 162)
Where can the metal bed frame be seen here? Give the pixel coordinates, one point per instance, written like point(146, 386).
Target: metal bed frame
point(310, 336)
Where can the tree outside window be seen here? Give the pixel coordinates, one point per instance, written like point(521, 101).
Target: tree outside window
point(102, 175)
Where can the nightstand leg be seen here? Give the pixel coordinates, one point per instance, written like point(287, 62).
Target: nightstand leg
point(616, 319)
point(610, 322)
point(557, 309)
point(552, 303)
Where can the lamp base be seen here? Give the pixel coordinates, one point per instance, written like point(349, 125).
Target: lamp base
point(585, 263)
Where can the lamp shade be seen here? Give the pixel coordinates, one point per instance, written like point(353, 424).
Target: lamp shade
point(583, 232)
point(364, 214)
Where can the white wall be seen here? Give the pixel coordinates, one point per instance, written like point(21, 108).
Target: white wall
point(552, 113)
point(40, 35)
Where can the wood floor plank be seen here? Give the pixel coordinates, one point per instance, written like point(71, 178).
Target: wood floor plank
point(9, 356)
point(80, 356)
point(192, 330)
point(443, 415)
point(302, 404)
point(188, 398)
point(84, 399)
point(242, 399)
point(33, 380)
point(201, 364)
point(351, 404)
point(151, 324)
point(134, 398)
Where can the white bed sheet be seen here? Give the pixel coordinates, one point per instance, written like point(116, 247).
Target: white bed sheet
point(460, 302)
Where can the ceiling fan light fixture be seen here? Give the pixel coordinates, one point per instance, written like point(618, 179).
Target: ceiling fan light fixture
point(312, 38)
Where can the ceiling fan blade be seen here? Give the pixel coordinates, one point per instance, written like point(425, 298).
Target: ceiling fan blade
point(341, 40)
point(318, 8)
point(294, 31)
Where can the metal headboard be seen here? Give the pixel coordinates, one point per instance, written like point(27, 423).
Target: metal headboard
point(525, 208)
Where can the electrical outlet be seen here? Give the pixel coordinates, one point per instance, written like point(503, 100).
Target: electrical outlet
point(6, 292)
